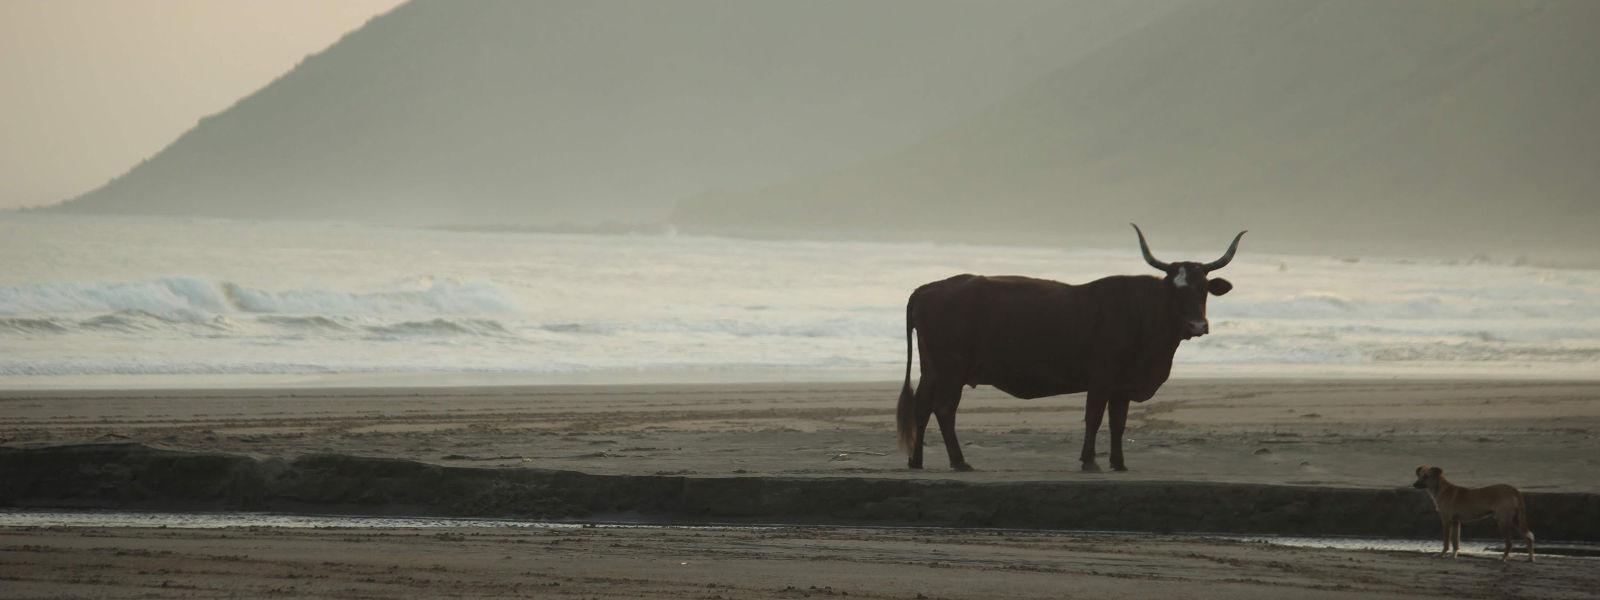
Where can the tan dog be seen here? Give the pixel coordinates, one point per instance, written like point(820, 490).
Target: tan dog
point(1457, 505)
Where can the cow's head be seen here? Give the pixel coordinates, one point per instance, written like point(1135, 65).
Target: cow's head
point(1189, 283)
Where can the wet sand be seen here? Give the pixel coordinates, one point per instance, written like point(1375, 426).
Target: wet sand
point(803, 562)
point(1539, 436)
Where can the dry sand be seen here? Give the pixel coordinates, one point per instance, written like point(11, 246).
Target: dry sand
point(1541, 436)
point(1536, 435)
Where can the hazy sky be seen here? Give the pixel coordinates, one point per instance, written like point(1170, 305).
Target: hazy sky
point(90, 87)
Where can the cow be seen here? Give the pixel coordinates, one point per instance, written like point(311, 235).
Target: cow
point(1113, 338)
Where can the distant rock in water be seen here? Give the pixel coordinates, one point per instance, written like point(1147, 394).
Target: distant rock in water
point(572, 113)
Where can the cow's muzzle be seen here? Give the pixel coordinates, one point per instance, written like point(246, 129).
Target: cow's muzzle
point(1199, 328)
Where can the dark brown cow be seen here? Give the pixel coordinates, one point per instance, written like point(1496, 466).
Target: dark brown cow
point(1113, 338)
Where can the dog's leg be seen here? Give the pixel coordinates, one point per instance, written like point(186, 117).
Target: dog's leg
point(1445, 524)
point(1522, 522)
point(1507, 520)
point(1455, 541)
point(1505, 530)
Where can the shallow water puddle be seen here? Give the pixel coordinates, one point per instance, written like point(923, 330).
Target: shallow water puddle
point(1476, 547)
point(246, 519)
point(183, 520)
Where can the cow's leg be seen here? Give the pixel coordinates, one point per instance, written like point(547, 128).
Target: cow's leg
point(924, 400)
point(1094, 410)
point(1119, 422)
point(945, 411)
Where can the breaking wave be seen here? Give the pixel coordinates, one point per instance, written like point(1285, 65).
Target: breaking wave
point(1426, 306)
point(191, 306)
point(140, 320)
point(438, 298)
point(443, 327)
point(27, 326)
point(195, 295)
point(304, 323)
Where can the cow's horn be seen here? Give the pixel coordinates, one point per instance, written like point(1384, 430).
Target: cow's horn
point(1164, 267)
point(1227, 257)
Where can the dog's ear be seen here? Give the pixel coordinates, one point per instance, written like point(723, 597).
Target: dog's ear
point(1436, 471)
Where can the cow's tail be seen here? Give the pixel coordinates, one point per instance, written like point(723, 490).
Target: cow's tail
point(905, 416)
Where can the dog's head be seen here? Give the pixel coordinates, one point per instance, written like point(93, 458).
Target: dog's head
point(1428, 477)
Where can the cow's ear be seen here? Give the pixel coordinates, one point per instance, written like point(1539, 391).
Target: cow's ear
point(1218, 286)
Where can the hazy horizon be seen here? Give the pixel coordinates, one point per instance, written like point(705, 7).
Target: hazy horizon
point(1423, 128)
point(93, 87)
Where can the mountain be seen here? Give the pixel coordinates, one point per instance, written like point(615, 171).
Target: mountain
point(1348, 126)
point(549, 112)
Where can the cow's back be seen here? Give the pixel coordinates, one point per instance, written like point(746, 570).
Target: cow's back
point(1034, 337)
point(1016, 333)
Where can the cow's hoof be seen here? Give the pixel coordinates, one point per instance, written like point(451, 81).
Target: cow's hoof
point(1119, 467)
point(1090, 466)
point(914, 465)
point(960, 466)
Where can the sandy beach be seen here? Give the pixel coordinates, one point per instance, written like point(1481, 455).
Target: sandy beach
point(1538, 435)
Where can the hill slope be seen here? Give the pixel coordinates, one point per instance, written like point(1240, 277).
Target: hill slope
point(1320, 125)
point(554, 111)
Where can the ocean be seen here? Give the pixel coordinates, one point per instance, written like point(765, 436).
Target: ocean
point(131, 301)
